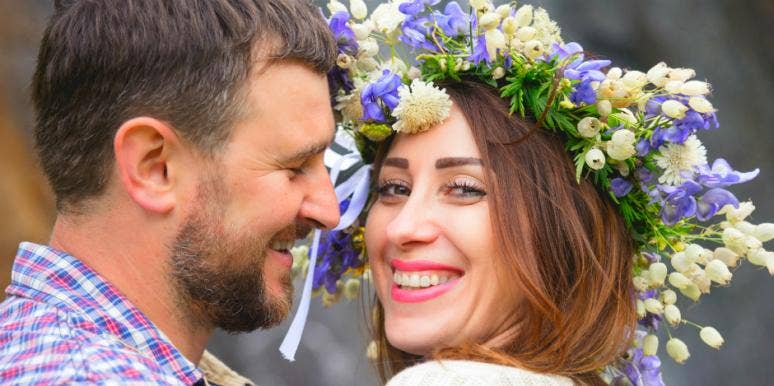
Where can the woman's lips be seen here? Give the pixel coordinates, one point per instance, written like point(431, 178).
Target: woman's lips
point(422, 265)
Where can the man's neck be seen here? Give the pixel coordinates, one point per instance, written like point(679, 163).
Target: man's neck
point(134, 260)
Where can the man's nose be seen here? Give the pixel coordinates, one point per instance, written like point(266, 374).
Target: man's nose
point(320, 207)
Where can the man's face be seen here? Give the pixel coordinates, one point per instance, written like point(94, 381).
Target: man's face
point(231, 259)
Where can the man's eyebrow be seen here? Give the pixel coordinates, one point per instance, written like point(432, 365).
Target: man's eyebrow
point(456, 161)
point(306, 152)
point(400, 163)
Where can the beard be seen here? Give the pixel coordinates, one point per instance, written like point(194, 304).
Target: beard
point(218, 274)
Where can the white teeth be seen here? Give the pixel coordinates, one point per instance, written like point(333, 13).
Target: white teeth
point(415, 280)
point(280, 245)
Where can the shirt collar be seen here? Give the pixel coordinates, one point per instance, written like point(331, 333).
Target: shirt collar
point(55, 277)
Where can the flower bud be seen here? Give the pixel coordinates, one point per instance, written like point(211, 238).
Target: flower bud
point(711, 337)
point(668, 297)
point(739, 213)
point(677, 350)
point(523, 16)
point(635, 79)
point(509, 25)
point(358, 8)
point(692, 252)
point(368, 48)
point(344, 61)
point(595, 159)
point(678, 280)
point(589, 127)
point(695, 88)
point(640, 283)
point(414, 73)
point(498, 73)
point(673, 86)
point(764, 232)
point(726, 255)
point(681, 74)
point(640, 306)
point(614, 73)
point(735, 240)
point(718, 272)
point(367, 64)
point(604, 107)
point(680, 262)
point(650, 345)
point(745, 227)
point(351, 288)
point(480, 4)
point(672, 314)
point(361, 31)
point(334, 6)
point(489, 21)
point(700, 104)
point(658, 273)
point(503, 10)
point(372, 351)
point(758, 256)
point(495, 40)
point(526, 33)
point(691, 291)
point(653, 306)
point(674, 109)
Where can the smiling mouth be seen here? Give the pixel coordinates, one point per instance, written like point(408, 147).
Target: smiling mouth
point(415, 280)
point(282, 246)
point(420, 280)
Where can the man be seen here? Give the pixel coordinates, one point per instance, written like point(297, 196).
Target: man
point(184, 142)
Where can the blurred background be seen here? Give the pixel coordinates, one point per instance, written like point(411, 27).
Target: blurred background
point(730, 43)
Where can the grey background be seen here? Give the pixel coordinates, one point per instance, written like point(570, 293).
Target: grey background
point(729, 43)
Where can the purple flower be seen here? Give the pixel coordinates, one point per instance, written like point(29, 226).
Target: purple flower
point(643, 369)
point(620, 186)
point(479, 51)
point(453, 20)
point(721, 175)
point(415, 31)
point(584, 71)
point(345, 37)
point(711, 202)
point(668, 134)
point(643, 147)
point(679, 202)
point(385, 90)
point(414, 7)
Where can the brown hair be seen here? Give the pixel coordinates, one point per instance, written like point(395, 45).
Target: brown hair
point(564, 248)
point(183, 62)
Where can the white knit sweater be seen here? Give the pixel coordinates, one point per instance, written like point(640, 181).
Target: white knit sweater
point(468, 373)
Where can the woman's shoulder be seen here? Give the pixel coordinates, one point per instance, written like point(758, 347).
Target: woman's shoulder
point(469, 373)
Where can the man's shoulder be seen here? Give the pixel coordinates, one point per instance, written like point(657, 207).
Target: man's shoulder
point(44, 344)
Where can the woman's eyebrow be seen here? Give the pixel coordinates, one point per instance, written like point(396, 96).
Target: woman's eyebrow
point(456, 161)
point(401, 163)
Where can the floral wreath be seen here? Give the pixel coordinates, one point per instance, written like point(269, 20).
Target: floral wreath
point(632, 133)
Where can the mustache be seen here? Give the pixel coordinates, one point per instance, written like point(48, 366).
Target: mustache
point(293, 232)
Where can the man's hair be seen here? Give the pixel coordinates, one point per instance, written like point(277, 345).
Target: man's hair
point(184, 62)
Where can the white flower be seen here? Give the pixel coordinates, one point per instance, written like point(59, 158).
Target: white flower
point(361, 30)
point(678, 280)
point(368, 48)
point(509, 25)
point(668, 297)
point(548, 32)
point(523, 15)
point(695, 88)
point(421, 107)
point(759, 256)
point(677, 159)
point(674, 109)
point(621, 145)
point(658, 74)
point(711, 337)
point(595, 159)
point(367, 64)
point(372, 351)
point(614, 73)
point(692, 292)
point(700, 104)
point(718, 272)
point(770, 263)
point(503, 10)
point(414, 73)
point(740, 213)
point(653, 306)
point(498, 73)
point(334, 6)
point(533, 49)
point(526, 33)
point(635, 79)
point(764, 232)
point(658, 273)
point(640, 307)
point(358, 8)
point(344, 61)
point(726, 255)
point(640, 283)
point(650, 345)
point(495, 39)
point(626, 117)
point(349, 104)
point(480, 4)
point(677, 350)
point(589, 127)
point(681, 74)
point(604, 107)
point(673, 86)
point(735, 240)
point(387, 17)
point(489, 20)
point(351, 288)
point(672, 314)
point(681, 262)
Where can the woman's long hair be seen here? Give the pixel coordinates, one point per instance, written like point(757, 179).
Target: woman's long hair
point(564, 249)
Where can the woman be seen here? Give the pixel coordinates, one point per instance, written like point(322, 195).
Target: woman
point(526, 204)
point(530, 268)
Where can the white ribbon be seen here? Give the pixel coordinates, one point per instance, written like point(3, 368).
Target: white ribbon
point(357, 187)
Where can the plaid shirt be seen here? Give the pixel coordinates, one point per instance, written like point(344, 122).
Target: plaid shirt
point(62, 323)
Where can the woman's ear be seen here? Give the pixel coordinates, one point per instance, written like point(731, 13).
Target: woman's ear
point(143, 149)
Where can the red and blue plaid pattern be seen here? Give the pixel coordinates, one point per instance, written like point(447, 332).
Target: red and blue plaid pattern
point(64, 324)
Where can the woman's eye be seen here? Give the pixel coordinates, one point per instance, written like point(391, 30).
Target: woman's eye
point(390, 189)
point(465, 189)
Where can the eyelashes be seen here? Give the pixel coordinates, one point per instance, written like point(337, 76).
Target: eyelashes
point(460, 188)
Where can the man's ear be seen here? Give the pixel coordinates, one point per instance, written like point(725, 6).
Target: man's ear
point(143, 147)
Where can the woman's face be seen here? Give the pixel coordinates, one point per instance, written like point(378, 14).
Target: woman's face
point(430, 242)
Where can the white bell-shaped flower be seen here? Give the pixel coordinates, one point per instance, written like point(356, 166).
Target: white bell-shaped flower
point(711, 337)
point(677, 350)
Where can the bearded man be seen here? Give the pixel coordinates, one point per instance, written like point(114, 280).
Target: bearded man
point(184, 143)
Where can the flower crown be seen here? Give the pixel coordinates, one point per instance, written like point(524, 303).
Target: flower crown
point(632, 133)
